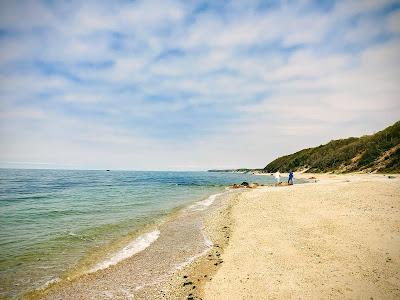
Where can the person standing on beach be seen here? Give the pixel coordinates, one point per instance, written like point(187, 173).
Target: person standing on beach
point(277, 176)
point(290, 179)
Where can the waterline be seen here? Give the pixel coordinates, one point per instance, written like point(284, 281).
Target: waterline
point(139, 244)
point(62, 223)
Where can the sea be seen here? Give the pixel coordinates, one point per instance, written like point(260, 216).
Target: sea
point(53, 221)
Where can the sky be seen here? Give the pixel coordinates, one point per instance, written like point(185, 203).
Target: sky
point(191, 85)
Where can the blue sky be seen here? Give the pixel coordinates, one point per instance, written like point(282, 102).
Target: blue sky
point(191, 85)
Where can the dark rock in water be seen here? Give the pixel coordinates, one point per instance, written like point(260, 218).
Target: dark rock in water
point(108, 170)
point(244, 183)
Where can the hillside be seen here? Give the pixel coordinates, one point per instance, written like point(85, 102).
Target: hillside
point(379, 152)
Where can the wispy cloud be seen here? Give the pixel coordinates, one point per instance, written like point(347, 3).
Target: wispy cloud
point(160, 84)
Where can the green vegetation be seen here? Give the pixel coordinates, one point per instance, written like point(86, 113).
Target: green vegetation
point(379, 152)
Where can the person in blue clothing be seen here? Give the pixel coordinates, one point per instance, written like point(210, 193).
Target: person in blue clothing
point(290, 180)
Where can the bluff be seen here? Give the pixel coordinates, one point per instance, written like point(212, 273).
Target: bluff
point(379, 152)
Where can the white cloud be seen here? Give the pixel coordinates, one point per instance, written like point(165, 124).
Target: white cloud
point(116, 83)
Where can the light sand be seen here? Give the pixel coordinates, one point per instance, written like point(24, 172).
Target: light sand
point(338, 238)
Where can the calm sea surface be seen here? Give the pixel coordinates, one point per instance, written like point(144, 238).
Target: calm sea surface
point(51, 219)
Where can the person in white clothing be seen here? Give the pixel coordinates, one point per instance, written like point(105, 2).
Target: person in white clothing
point(277, 176)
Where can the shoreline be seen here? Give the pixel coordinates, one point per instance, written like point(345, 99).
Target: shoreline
point(74, 284)
point(68, 228)
point(95, 258)
point(205, 275)
point(101, 260)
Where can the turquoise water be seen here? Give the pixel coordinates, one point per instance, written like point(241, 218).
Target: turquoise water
point(52, 219)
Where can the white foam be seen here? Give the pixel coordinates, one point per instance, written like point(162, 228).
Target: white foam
point(207, 242)
point(201, 205)
point(49, 282)
point(136, 246)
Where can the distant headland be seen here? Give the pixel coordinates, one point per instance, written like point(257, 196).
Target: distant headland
point(376, 153)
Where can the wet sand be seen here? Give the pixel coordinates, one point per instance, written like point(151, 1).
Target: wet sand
point(338, 238)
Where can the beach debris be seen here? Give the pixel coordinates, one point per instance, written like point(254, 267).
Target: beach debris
point(312, 177)
point(391, 177)
point(187, 283)
point(246, 185)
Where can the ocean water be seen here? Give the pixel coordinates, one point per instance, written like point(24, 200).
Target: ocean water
point(51, 221)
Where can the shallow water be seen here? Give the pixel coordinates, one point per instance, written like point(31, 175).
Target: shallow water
point(51, 220)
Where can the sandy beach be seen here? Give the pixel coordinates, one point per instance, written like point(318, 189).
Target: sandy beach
point(142, 145)
point(338, 238)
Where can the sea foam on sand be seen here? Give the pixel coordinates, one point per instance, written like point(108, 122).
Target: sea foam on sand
point(145, 240)
point(136, 246)
point(201, 205)
point(207, 242)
